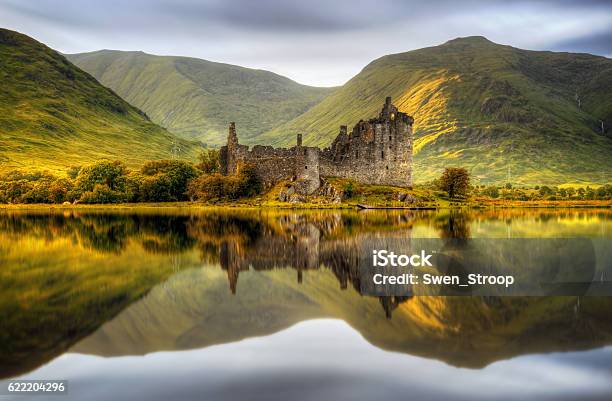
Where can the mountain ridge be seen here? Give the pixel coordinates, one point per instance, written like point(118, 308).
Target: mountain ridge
point(197, 98)
point(476, 102)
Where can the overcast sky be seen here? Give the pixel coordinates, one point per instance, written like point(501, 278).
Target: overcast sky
point(315, 42)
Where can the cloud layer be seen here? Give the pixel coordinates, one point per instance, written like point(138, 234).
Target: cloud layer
point(318, 42)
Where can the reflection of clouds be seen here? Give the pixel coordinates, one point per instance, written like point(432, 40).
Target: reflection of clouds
point(326, 359)
point(316, 42)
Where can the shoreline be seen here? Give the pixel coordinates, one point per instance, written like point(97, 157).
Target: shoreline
point(313, 206)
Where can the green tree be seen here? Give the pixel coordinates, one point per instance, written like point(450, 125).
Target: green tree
point(545, 190)
point(455, 181)
point(209, 161)
point(101, 193)
point(113, 174)
point(174, 174)
point(157, 188)
point(210, 187)
point(492, 192)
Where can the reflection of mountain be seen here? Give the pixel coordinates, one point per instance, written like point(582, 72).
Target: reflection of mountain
point(65, 274)
point(194, 310)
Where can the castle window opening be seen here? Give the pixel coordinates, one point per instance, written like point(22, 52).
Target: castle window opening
point(305, 167)
point(382, 153)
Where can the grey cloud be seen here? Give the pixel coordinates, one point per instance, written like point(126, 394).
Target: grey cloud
point(598, 43)
point(319, 42)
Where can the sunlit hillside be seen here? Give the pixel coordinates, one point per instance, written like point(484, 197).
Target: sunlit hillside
point(53, 115)
point(506, 114)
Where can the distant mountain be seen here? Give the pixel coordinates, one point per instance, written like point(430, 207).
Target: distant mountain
point(53, 115)
point(505, 113)
point(198, 98)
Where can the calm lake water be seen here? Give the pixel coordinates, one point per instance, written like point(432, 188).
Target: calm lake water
point(172, 304)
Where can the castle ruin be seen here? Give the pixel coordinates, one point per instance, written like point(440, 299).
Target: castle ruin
point(376, 151)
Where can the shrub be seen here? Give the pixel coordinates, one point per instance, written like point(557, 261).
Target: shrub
point(175, 175)
point(101, 193)
point(349, 189)
point(215, 186)
point(111, 174)
point(492, 192)
point(209, 161)
point(157, 188)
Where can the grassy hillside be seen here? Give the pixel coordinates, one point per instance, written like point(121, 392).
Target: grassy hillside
point(505, 113)
point(53, 115)
point(198, 98)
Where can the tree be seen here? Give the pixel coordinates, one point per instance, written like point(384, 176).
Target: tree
point(455, 181)
point(545, 190)
point(173, 174)
point(101, 193)
point(73, 172)
point(209, 161)
point(110, 173)
point(218, 187)
point(492, 192)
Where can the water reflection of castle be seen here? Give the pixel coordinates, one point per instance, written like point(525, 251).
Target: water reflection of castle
point(297, 242)
point(260, 240)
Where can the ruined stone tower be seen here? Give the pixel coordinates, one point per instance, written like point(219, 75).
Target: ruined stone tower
point(376, 151)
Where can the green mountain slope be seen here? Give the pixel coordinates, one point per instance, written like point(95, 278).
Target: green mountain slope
point(505, 113)
point(53, 115)
point(198, 98)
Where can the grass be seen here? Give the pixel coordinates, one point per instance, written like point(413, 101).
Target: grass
point(505, 114)
point(53, 115)
point(198, 98)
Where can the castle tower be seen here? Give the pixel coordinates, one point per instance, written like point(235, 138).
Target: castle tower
point(232, 138)
point(306, 168)
point(388, 111)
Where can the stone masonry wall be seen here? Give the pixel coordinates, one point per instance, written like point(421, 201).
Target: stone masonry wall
point(377, 151)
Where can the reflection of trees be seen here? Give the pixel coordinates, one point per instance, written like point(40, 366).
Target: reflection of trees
point(237, 241)
point(454, 225)
point(244, 240)
point(167, 235)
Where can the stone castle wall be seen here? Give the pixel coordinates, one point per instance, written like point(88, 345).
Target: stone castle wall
point(377, 151)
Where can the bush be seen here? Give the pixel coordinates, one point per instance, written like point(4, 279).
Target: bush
point(209, 161)
point(156, 188)
point(59, 190)
point(349, 189)
point(32, 187)
point(215, 186)
point(492, 192)
point(101, 193)
point(174, 175)
point(111, 174)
